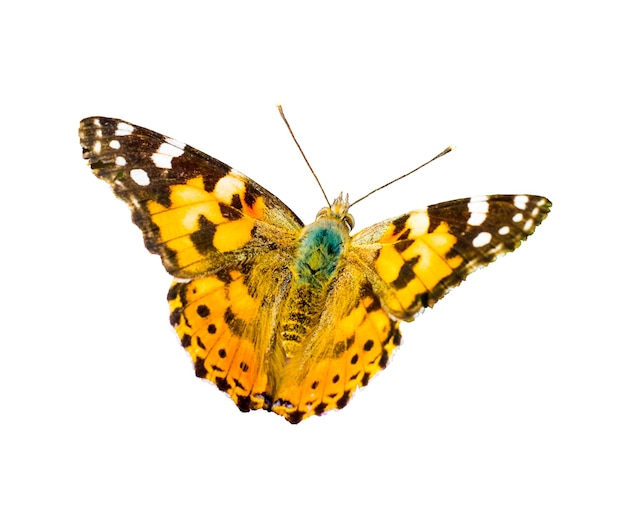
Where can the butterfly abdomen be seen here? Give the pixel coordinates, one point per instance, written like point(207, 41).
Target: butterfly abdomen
point(301, 311)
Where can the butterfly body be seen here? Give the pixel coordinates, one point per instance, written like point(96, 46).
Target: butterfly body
point(318, 258)
point(282, 316)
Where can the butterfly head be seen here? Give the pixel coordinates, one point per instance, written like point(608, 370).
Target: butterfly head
point(339, 211)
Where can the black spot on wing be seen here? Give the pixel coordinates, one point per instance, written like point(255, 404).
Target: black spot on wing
point(236, 202)
point(402, 245)
point(185, 340)
point(229, 212)
point(244, 403)
point(236, 325)
point(406, 274)
point(396, 337)
point(384, 359)
point(295, 417)
point(399, 224)
point(222, 384)
point(175, 291)
point(343, 400)
point(201, 371)
point(175, 316)
point(203, 311)
point(250, 196)
point(320, 408)
point(202, 238)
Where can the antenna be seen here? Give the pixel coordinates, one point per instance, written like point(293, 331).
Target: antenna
point(280, 110)
point(443, 153)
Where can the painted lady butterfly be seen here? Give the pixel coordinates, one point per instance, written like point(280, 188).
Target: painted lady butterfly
point(282, 316)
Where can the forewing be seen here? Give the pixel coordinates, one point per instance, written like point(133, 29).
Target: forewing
point(414, 259)
point(196, 212)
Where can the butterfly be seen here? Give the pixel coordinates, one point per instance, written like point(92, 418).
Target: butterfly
point(283, 316)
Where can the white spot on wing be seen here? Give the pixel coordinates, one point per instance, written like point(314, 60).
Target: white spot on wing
point(114, 144)
point(228, 186)
point(482, 239)
point(517, 217)
point(162, 158)
point(528, 225)
point(497, 250)
point(120, 161)
point(505, 230)
point(162, 161)
point(478, 208)
point(520, 201)
point(123, 129)
point(97, 147)
point(418, 223)
point(171, 150)
point(140, 176)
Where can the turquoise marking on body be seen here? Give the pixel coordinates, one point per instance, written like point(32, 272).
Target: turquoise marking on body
point(322, 245)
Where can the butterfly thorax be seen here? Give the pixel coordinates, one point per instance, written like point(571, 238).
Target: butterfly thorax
point(318, 257)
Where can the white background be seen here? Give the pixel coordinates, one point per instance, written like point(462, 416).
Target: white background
point(510, 393)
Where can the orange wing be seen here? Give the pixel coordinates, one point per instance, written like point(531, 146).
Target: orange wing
point(228, 322)
point(414, 259)
point(196, 212)
point(353, 342)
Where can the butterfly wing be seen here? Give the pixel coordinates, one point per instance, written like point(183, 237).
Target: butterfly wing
point(196, 212)
point(414, 259)
point(227, 323)
point(353, 340)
